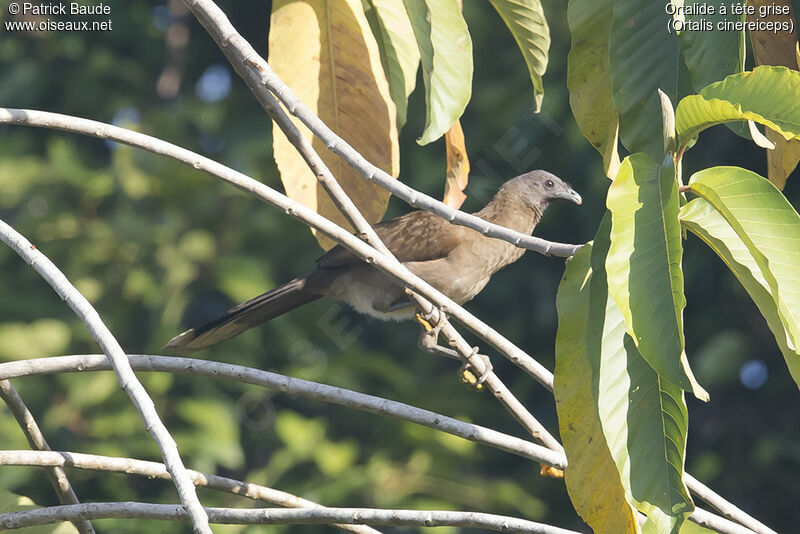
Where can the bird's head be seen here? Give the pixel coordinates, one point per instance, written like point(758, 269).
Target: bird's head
point(537, 188)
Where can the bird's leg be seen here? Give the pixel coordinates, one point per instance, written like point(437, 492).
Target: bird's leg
point(429, 335)
point(428, 341)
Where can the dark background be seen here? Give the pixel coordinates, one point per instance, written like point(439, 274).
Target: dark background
point(157, 246)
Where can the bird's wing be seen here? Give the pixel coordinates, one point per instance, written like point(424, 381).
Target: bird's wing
point(415, 236)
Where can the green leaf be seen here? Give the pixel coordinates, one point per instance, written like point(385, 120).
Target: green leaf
point(446, 51)
point(399, 53)
point(767, 95)
point(525, 19)
point(588, 78)
point(644, 265)
point(643, 415)
point(712, 55)
point(644, 58)
point(769, 228)
point(700, 218)
point(592, 479)
point(602, 378)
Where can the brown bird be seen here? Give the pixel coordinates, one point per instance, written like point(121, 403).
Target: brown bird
point(456, 260)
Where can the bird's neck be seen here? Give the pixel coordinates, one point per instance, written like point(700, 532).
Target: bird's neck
point(511, 212)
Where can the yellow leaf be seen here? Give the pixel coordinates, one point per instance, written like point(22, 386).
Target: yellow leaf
point(783, 159)
point(777, 48)
point(324, 50)
point(457, 166)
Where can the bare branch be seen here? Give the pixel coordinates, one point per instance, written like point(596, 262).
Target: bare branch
point(280, 516)
point(295, 386)
point(127, 379)
point(724, 507)
point(720, 524)
point(58, 478)
point(243, 56)
point(156, 470)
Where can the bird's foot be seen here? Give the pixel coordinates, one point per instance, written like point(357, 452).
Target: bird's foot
point(432, 323)
point(469, 375)
point(428, 341)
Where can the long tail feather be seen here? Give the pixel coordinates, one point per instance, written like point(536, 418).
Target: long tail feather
point(244, 316)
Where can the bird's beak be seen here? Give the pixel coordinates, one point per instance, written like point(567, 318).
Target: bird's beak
point(569, 194)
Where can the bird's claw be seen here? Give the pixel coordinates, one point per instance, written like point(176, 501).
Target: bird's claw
point(432, 321)
point(468, 373)
point(419, 318)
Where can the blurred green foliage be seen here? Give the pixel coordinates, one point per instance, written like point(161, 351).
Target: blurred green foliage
point(157, 246)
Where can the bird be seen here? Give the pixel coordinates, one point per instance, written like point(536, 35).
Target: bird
point(456, 260)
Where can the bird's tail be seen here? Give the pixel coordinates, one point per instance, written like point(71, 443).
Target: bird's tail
point(244, 316)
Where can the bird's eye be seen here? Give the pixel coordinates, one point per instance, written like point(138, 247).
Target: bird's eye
point(549, 184)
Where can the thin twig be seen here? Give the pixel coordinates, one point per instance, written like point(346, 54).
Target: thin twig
point(280, 516)
point(127, 379)
point(294, 386)
point(724, 507)
point(29, 426)
point(719, 524)
point(156, 470)
point(222, 31)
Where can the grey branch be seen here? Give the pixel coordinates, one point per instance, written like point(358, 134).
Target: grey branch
point(127, 378)
point(229, 40)
point(724, 507)
point(279, 516)
point(58, 478)
point(295, 386)
point(94, 462)
point(719, 524)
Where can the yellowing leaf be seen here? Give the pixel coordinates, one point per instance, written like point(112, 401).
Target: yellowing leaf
point(588, 78)
point(783, 159)
point(778, 48)
point(457, 167)
point(324, 50)
point(592, 479)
